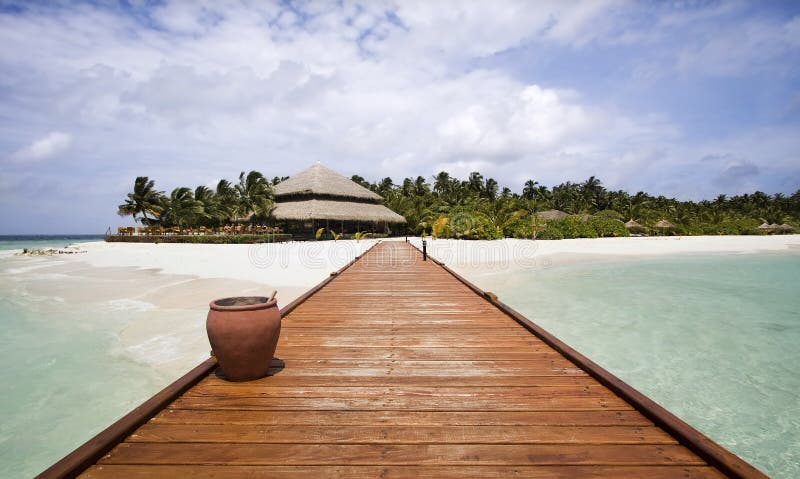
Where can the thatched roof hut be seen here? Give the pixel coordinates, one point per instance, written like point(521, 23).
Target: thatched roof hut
point(633, 226)
point(664, 224)
point(786, 228)
point(319, 196)
point(765, 226)
point(552, 215)
point(319, 181)
point(335, 211)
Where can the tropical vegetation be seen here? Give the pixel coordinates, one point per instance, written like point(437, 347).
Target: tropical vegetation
point(249, 199)
point(479, 208)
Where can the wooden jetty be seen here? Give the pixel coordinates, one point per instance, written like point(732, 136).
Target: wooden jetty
point(396, 367)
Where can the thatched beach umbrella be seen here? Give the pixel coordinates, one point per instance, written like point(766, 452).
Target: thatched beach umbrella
point(634, 227)
point(785, 228)
point(664, 225)
point(549, 215)
point(765, 228)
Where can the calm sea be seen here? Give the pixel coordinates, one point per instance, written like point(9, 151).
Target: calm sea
point(64, 378)
point(9, 242)
point(714, 339)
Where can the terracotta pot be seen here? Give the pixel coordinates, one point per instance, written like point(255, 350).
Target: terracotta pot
point(243, 332)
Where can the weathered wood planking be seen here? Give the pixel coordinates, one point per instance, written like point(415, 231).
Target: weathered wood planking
point(395, 368)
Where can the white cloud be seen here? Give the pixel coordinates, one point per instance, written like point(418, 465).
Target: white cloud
point(195, 90)
point(44, 148)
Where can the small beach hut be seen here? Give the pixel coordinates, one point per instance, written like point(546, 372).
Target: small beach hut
point(664, 225)
point(549, 215)
point(318, 197)
point(766, 228)
point(785, 228)
point(634, 227)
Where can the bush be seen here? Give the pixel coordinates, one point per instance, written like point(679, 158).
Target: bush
point(550, 234)
point(607, 227)
point(608, 214)
point(204, 239)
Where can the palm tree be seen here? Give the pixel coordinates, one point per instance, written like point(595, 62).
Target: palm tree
point(591, 190)
point(207, 199)
point(180, 208)
point(441, 182)
point(490, 190)
point(529, 190)
point(475, 182)
point(254, 195)
point(144, 199)
point(421, 188)
point(227, 198)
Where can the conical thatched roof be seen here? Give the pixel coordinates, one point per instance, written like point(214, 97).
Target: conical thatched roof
point(335, 211)
point(765, 226)
point(785, 227)
point(552, 215)
point(664, 224)
point(319, 180)
point(633, 225)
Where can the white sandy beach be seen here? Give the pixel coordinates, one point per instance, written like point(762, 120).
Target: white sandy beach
point(473, 257)
point(161, 291)
point(157, 295)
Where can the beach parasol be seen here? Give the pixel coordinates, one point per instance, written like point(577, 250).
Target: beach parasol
point(552, 215)
point(634, 227)
point(664, 225)
point(765, 227)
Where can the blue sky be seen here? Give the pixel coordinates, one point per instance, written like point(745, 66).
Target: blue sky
point(687, 98)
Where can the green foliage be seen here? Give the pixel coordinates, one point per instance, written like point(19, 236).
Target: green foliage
point(609, 214)
point(550, 234)
point(204, 239)
point(439, 228)
point(142, 200)
point(477, 207)
point(608, 227)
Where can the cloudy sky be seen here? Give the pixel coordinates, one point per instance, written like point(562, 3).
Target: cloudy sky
point(686, 98)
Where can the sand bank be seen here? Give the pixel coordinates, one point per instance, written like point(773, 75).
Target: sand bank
point(475, 258)
point(155, 296)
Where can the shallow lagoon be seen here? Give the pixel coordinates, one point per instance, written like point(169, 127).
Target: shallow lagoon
point(713, 338)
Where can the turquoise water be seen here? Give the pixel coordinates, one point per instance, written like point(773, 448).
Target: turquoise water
point(714, 339)
point(64, 378)
point(60, 385)
point(10, 242)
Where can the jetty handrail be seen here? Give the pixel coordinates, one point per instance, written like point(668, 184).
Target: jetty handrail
point(716, 455)
point(91, 451)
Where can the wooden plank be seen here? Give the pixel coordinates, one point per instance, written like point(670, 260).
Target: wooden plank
point(331, 380)
point(109, 471)
point(403, 418)
point(419, 354)
point(400, 370)
point(340, 434)
point(530, 365)
point(399, 454)
point(447, 403)
point(420, 392)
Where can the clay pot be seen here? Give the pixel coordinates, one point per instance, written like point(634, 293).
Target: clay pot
point(243, 332)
